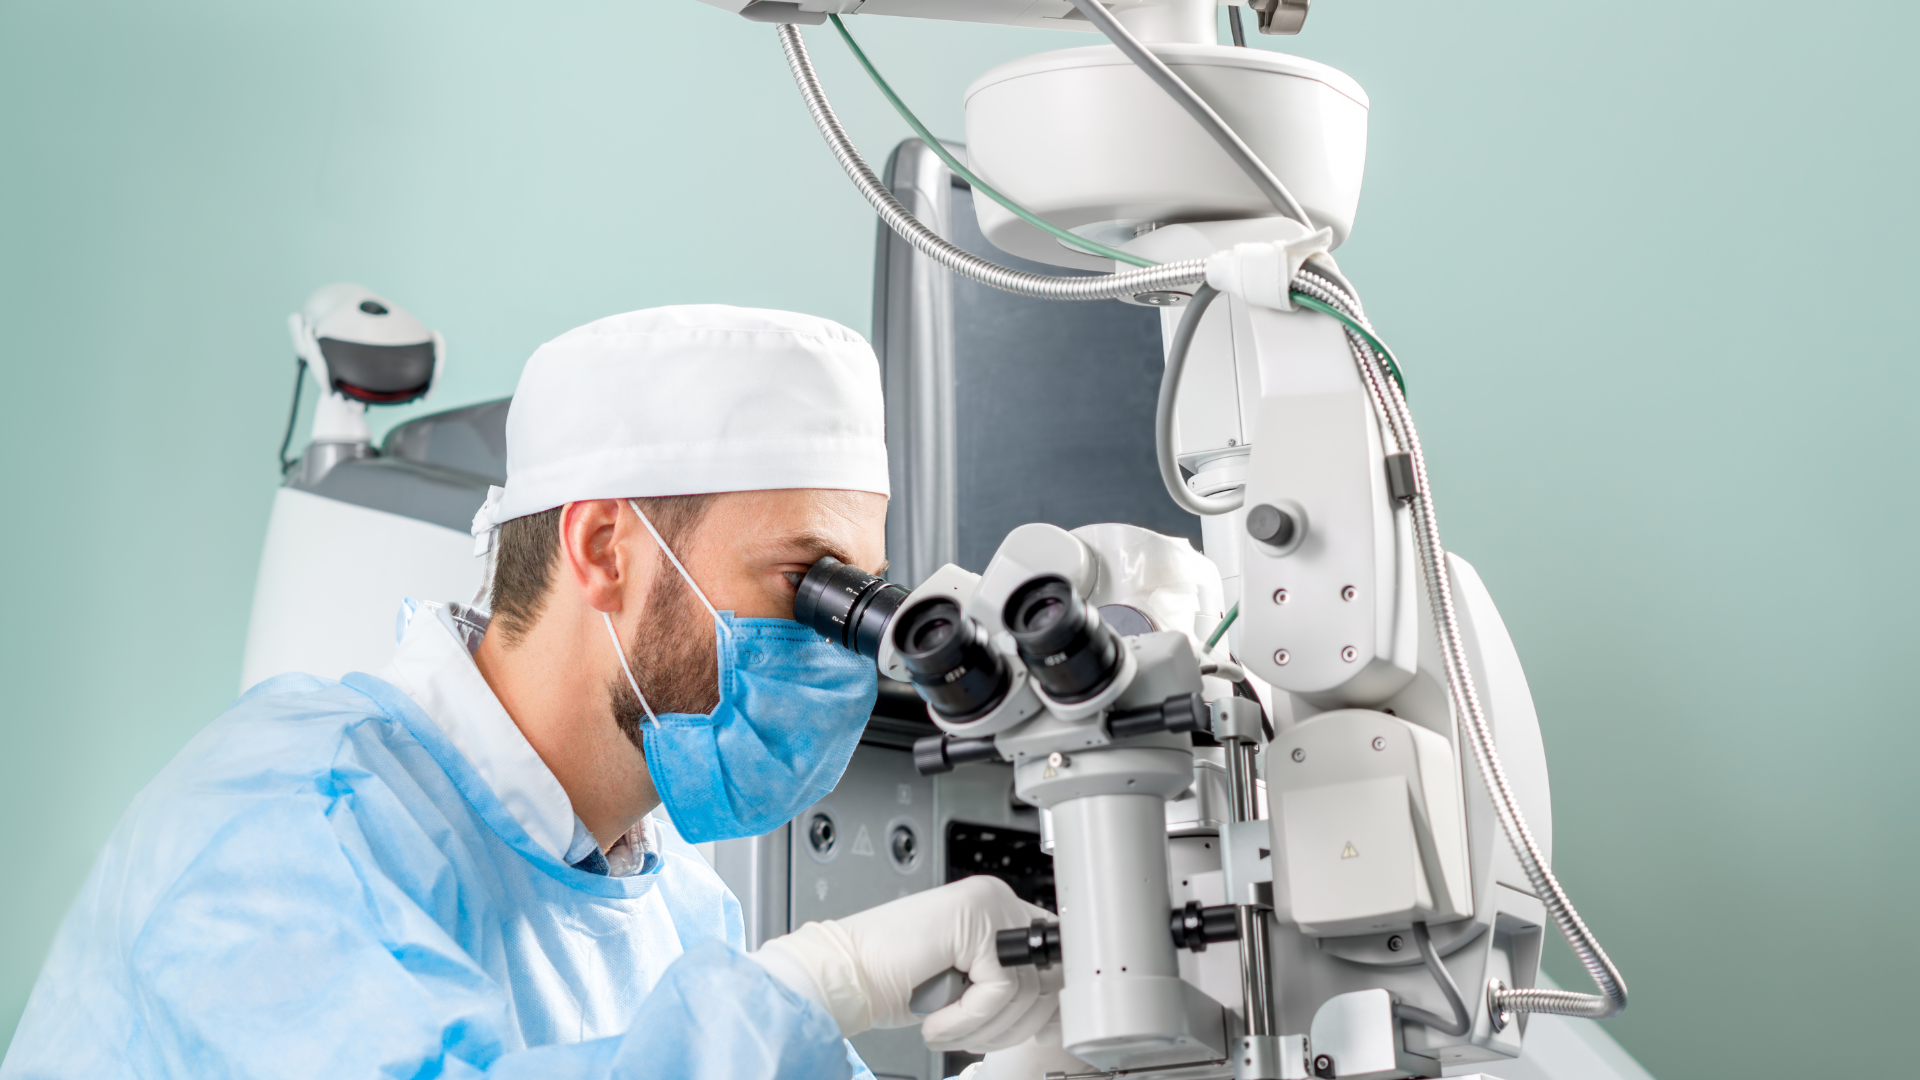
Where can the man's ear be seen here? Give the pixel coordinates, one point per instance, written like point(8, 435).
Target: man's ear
point(593, 550)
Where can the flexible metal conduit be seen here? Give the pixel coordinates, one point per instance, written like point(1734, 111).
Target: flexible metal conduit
point(1392, 405)
point(1196, 106)
point(1168, 277)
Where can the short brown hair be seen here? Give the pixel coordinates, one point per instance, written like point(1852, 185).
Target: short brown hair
point(530, 550)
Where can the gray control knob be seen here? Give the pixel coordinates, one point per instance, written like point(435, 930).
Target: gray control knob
point(1271, 525)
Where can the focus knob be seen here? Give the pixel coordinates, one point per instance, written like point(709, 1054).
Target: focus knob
point(1271, 525)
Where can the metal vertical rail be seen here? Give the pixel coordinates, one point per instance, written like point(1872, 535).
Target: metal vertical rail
point(1256, 983)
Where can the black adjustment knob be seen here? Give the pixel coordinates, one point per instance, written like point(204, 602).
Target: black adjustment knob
point(1271, 525)
point(1037, 944)
point(940, 753)
point(1181, 712)
point(930, 755)
point(1195, 927)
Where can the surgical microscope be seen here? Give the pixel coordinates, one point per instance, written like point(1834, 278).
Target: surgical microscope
point(1294, 790)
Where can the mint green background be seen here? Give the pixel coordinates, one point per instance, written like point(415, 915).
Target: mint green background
point(1648, 266)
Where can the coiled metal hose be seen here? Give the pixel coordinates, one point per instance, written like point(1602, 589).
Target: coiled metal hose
point(1392, 405)
point(1167, 277)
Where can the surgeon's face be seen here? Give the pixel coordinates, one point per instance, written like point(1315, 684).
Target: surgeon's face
point(752, 547)
point(748, 553)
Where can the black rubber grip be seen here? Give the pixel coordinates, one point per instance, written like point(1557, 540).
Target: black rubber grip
point(1181, 712)
point(1195, 927)
point(940, 753)
point(1037, 944)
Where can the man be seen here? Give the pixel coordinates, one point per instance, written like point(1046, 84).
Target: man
point(461, 866)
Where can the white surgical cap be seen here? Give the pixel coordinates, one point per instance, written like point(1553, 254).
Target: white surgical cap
point(688, 400)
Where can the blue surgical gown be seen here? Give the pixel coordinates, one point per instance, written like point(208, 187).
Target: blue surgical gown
point(319, 885)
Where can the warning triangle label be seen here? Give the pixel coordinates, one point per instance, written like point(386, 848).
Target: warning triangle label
point(862, 843)
point(1349, 853)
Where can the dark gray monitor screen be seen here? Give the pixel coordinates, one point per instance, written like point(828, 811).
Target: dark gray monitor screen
point(1055, 408)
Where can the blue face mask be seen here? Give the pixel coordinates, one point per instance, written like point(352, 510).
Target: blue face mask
point(792, 706)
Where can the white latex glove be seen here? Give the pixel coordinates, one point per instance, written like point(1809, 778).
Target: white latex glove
point(1038, 1056)
point(863, 969)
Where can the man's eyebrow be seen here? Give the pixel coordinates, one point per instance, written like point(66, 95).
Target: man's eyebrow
point(814, 545)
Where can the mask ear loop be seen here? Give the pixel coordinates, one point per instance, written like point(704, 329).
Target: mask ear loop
point(719, 627)
point(672, 558)
point(621, 652)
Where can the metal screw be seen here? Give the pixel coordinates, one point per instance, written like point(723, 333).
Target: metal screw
point(1299, 754)
point(1059, 760)
point(1280, 656)
point(1395, 943)
point(1379, 743)
point(1349, 653)
point(1279, 596)
point(1349, 593)
point(1233, 442)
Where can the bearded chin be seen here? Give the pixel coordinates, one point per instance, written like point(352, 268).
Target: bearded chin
point(672, 658)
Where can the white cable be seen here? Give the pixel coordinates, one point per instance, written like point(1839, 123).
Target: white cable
point(1168, 277)
point(1205, 505)
point(621, 651)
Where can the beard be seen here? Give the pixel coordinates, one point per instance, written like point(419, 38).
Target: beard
point(672, 658)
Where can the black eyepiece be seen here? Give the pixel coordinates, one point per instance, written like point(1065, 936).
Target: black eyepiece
point(950, 658)
point(1072, 653)
point(846, 605)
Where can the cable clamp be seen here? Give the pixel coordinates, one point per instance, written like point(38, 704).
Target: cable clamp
point(1402, 485)
point(1263, 273)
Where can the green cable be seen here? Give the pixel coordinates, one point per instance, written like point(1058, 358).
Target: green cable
point(1232, 614)
point(934, 144)
point(1386, 354)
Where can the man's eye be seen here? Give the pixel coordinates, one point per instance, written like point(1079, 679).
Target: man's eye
point(793, 577)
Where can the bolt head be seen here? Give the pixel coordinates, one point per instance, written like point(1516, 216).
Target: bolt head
point(1279, 596)
point(1396, 943)
point(1281, 656)
point(1298, 754)
point(1056, 759)
point(1349, 593)
point(1349, 654)
point(1379, 743)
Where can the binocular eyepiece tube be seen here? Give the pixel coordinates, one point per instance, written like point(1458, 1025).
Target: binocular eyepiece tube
point(953, 663)
point(846, 605)
point(1071, 651)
